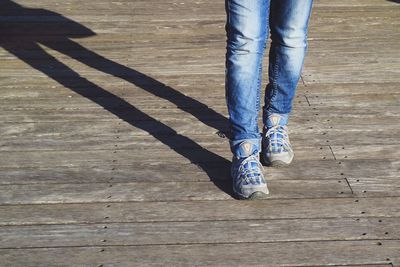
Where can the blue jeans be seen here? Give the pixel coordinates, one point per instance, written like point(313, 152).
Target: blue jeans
point(248, 25)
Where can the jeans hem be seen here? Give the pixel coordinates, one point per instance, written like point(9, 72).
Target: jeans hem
point(235, 145)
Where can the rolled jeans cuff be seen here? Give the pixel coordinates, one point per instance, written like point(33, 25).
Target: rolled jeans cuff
point(241, 151)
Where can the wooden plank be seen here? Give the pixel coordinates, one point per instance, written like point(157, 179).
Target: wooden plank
point(132, 122)
point(370, 174)
point(269, 254)
point(197, 211)
point(109, 135)
point(128, 139)
point(339, 137)
point(44, 87)
point(375, 186)
point(164, 172)
point(54, 141)
point(353, 3)
point(383, 73)
point(307, 119)
point(362, 265)
point(388, 152)
point(71, 6)
point(159, 172)
point(377, 99)
point(199, 24)
point(100, 4)
point(172, 103)
point(319, 52)
point(187, 84)
point(205, 110)
point(99, 43)
point(378, 71)
point(347, 89)
point(148, 103)
point(106, 141)
point(369, 168)
point(193, 154)
point(141, 234)
point(354, 60)
point(170, 68)
point(167, 191)
point(340, 53)
point(106, 44)
point(323, 49)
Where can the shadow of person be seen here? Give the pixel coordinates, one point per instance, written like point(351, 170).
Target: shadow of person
point(25, 28)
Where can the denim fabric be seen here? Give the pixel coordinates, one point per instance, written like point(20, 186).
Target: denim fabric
point(248, 25)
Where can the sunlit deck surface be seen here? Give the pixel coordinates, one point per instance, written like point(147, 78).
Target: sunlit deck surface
point(114, 149)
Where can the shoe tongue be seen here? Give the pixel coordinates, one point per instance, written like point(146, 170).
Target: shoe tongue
point(246, 149)
point(276, 119)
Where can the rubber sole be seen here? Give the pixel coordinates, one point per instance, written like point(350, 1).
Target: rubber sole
point(277, 164)
point(256, 195)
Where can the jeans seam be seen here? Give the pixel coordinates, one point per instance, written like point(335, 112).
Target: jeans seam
point(274, 80)
point(259, 81)
point(228, 36)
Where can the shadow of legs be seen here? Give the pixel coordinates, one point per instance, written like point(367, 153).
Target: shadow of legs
point(190, 105)
point(180, 144)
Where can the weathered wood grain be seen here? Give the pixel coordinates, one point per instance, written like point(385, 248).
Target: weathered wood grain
point(122, 156)
point(166, 191)
point(188, 85)
point(375, 186)
point(197, 211)
point(379, 152)
point(164, 172)
point(361, 265)
point(108, 143)
point(124, 234)
point(377, 99)
point(130, 140)
point(369, 168)
point(269, 254)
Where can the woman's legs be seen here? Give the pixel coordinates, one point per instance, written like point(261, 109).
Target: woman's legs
point(247, 32)
point(247, 28)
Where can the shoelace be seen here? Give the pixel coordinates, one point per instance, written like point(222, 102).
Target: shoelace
point(278, 138)
point(250, 175)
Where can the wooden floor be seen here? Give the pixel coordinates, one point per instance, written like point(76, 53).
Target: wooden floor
point(113, 146)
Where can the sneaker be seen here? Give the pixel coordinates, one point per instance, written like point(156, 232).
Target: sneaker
point(277, 150)
point(247, 175)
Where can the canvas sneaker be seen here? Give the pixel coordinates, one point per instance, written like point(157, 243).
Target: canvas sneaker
point(247, 175)
point(277, 150)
